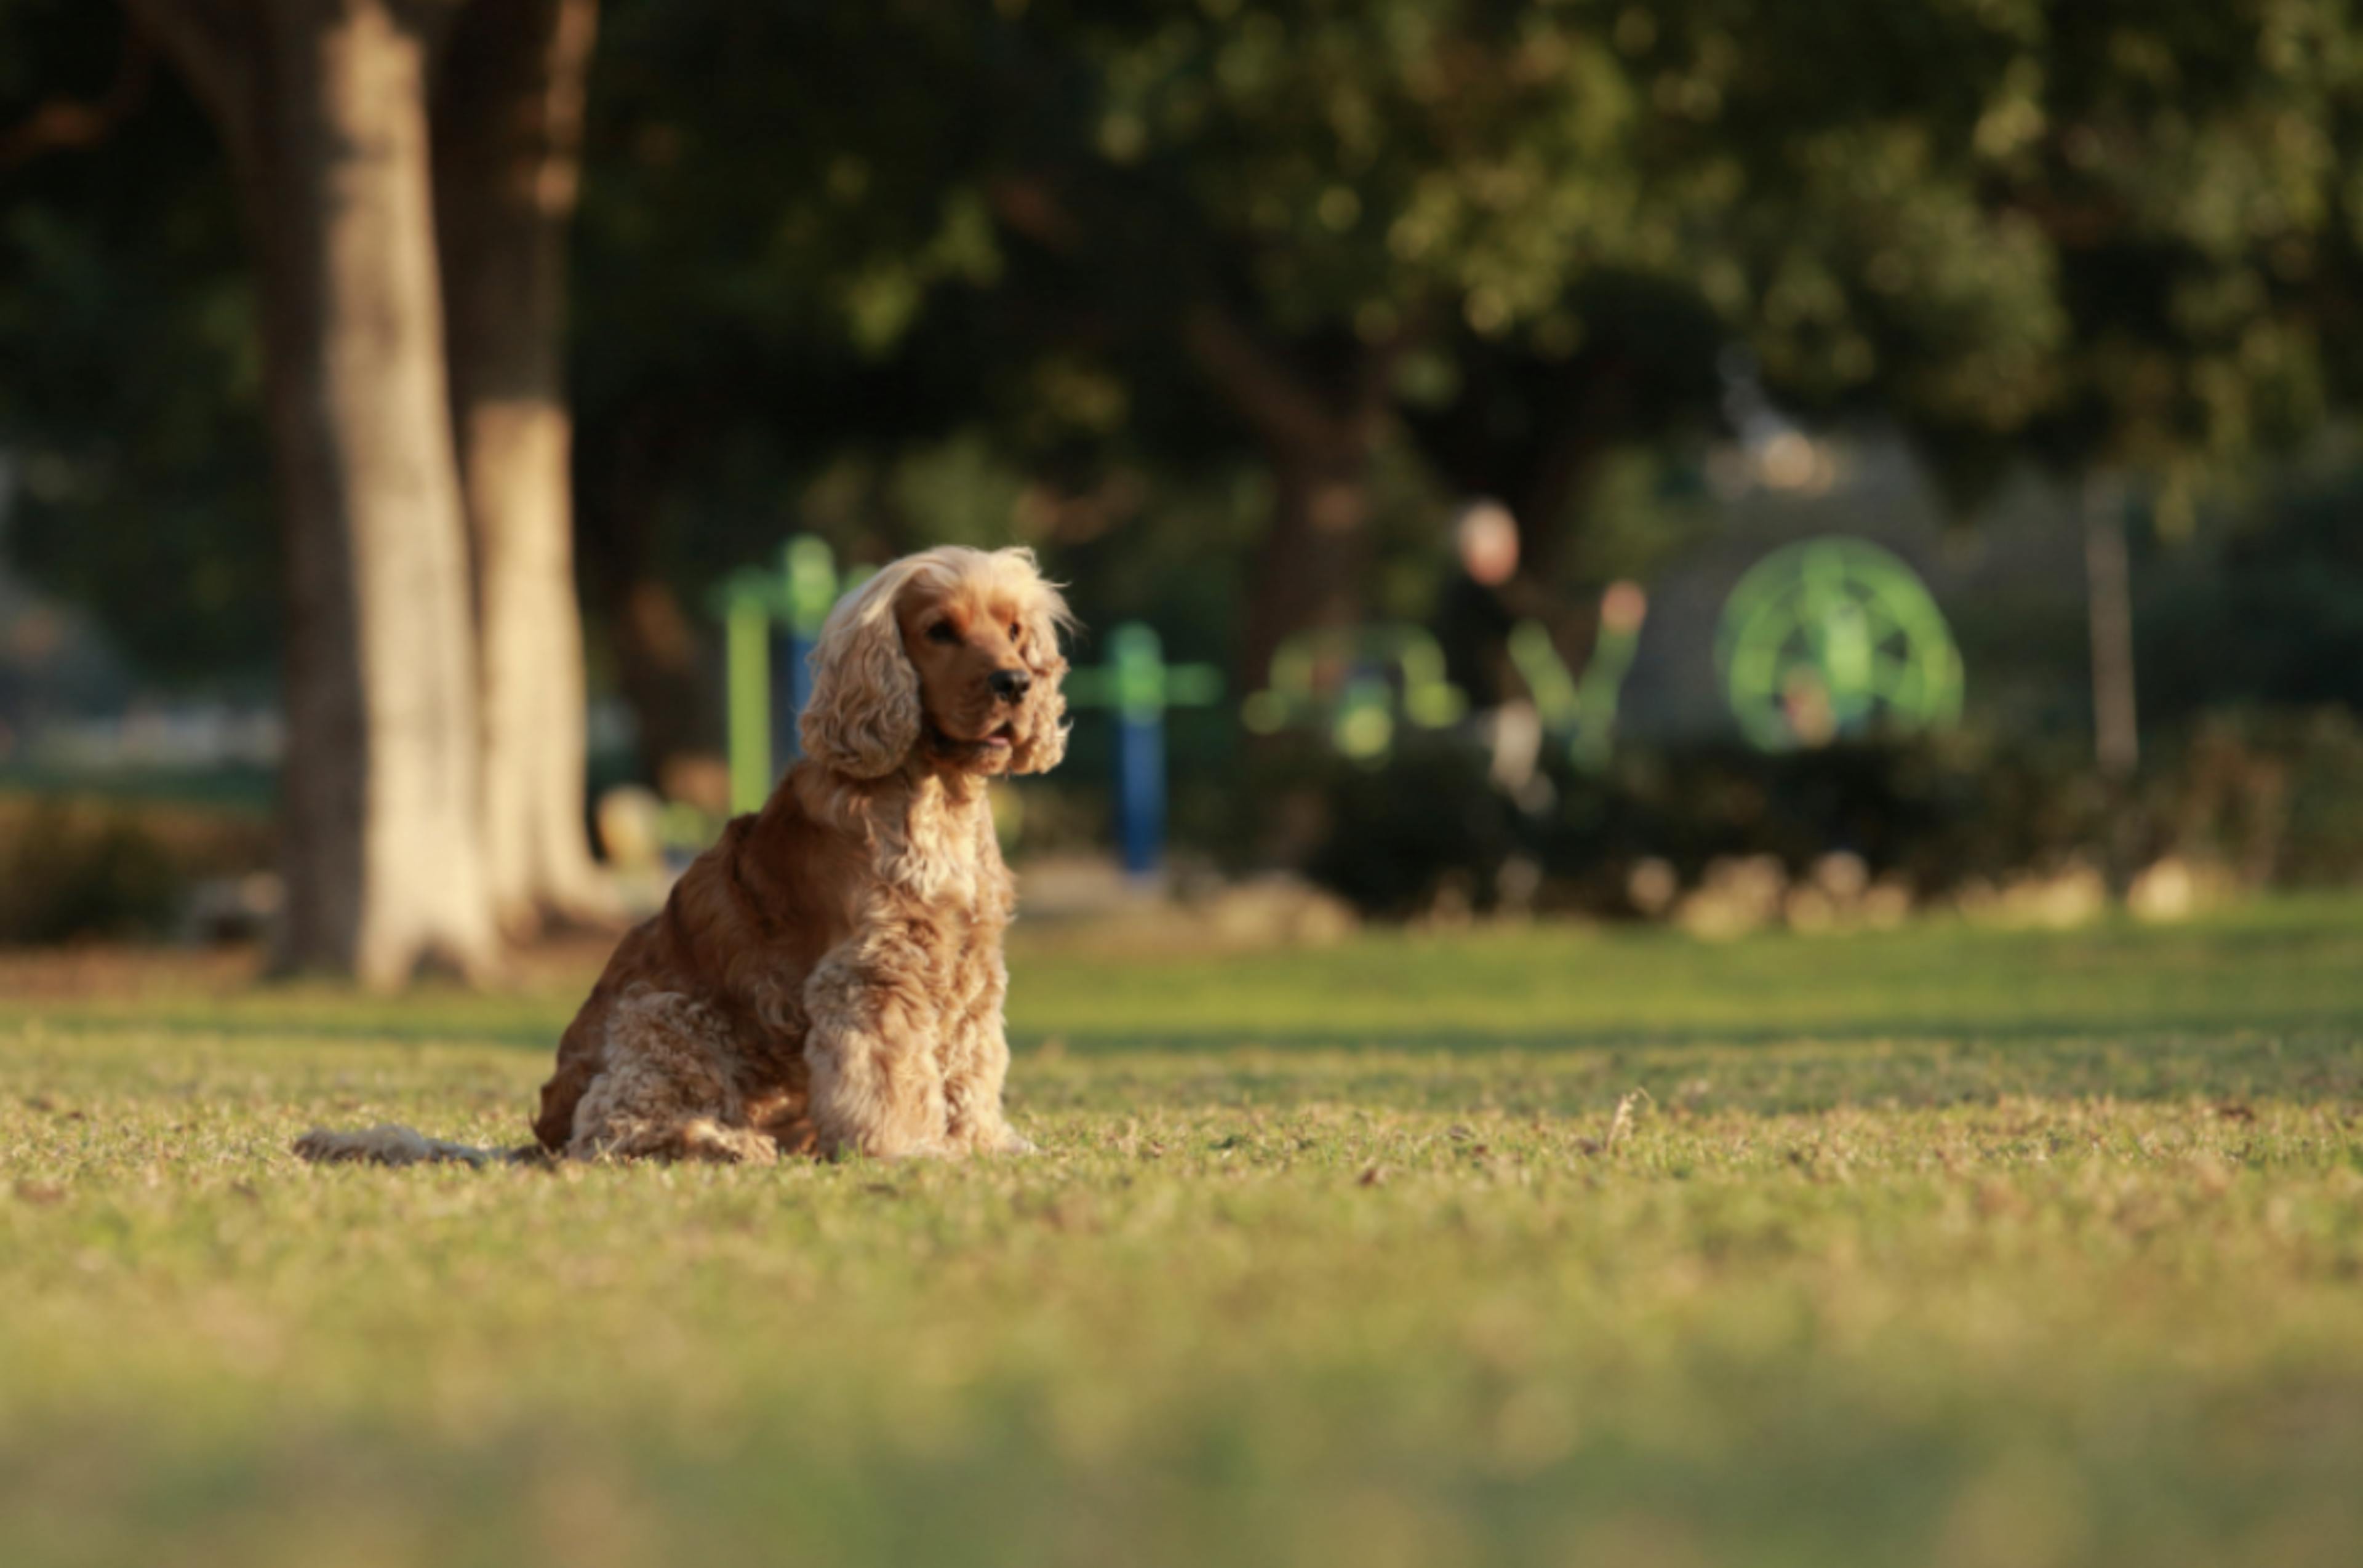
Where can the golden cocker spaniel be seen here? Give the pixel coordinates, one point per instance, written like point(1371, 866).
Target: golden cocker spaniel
point(829, 977)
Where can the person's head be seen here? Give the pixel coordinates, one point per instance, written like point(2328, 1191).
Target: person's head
point(952, 654)
point(1486, 538)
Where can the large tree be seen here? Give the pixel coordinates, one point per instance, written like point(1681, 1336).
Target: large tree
point(2184, 173)
point(1309, 199)
point(148, 513)
point(143, 498)
point(1479, 214)
point(508, 145)
point(323, 106)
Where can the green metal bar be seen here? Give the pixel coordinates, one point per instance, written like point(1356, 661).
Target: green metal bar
point(1290, 695)
point(808, 569)
point(1621, 614)
point(1138, 682)
point(1545, 673)
point(748, 657)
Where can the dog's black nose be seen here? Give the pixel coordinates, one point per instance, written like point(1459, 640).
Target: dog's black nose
point(1009, 684)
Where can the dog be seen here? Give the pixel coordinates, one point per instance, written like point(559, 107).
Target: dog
point(827, 979)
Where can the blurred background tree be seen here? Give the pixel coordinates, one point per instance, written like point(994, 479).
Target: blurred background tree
point(321, 108)
point(507, 117)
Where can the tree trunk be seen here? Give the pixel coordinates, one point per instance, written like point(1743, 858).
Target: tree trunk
point(1315, 554)
point(2109, 588)
point(324, 104)
point(661, 665)
point(2116, 731)
point(1320, 440)
point(508, 122)
point(662, 670)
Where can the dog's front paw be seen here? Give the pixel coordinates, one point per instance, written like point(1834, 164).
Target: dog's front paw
point(1012, 1142)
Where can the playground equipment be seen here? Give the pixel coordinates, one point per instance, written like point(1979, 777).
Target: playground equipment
point(1351, 680)
point(1832, 638)
point(1584, 711)
point(1138, 686)
point(755, 606)
point(1349, 683)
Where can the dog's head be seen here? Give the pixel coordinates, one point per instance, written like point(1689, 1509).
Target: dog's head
point(950, 655)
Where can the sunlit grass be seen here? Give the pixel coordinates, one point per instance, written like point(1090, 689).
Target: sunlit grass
point(1943, 1247)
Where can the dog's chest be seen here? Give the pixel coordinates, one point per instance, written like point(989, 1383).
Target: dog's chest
point(942, 858)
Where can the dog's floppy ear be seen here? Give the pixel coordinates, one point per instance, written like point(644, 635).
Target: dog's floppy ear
point(1040, 738)
point(864, 715)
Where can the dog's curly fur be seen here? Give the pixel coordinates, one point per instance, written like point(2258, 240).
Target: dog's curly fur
point(829, 977)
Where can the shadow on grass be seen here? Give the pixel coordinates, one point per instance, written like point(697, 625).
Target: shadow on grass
point(2264, 999)
point(1514, 1074)
point(1594, 1038)
point(2136, 1031)
point(2306, 1068)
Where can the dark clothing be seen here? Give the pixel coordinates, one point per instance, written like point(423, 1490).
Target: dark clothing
point(1472, 626)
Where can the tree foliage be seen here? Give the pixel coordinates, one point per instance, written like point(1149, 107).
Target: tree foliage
point(1105, 275)
point(130, 377)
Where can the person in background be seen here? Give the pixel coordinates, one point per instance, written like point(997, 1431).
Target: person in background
point(1481, 602)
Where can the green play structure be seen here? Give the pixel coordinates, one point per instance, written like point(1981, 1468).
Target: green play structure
point(1833, 639)
point(1359, 685)
point(1138, 686)
point(756, 606)
point(1349, 682)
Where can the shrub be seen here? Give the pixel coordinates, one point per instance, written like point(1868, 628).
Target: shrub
point(2271, 797)
point(72, 869)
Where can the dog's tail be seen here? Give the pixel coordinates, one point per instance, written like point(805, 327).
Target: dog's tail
point(391, 1145)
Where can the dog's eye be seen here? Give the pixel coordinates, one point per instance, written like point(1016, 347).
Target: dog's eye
point(1013, 631)
point(943, 631)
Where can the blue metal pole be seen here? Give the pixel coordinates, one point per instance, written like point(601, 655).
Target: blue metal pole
point(794, 680)
point(790, 688)
point(1141, 790)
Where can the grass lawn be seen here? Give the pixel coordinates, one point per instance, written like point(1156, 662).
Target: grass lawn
point(1941, 1246)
